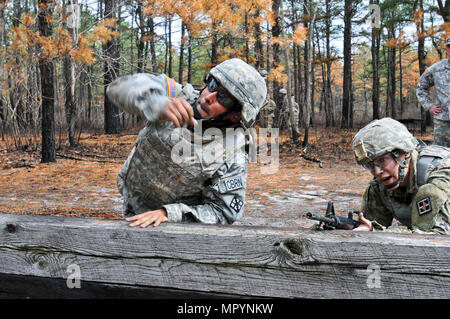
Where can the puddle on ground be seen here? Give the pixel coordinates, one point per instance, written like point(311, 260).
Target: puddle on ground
point(287, 208)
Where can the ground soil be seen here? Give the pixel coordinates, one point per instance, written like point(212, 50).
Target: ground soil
point(82, 182)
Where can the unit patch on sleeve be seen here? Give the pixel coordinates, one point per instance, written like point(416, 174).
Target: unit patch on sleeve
point(236, 204)
point(424, 206)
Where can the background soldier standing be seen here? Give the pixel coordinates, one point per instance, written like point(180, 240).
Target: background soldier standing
point(285, 112)
point(268, 112)
point(438, 75)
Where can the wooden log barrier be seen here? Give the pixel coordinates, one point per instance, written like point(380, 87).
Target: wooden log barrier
point(39, 256)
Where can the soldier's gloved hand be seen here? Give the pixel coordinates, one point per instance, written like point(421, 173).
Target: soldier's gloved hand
point(154, 217)
point(179, 111)
point(366, 225)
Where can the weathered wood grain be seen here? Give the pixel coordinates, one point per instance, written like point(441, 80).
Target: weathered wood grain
point(233, 260)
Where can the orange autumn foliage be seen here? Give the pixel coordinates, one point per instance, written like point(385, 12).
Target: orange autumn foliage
point(103, 31)
point(28, 42)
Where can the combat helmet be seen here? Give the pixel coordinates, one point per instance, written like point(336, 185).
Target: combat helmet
point(245, 84)
point(381, 137)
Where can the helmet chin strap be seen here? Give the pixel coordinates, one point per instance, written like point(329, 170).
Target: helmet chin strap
point(402, 165)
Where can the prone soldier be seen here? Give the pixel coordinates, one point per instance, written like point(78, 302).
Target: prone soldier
point(411, 181)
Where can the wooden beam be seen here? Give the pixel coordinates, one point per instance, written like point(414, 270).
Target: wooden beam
point(225, 260)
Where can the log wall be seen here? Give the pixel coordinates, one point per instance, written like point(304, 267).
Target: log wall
point(182, 260)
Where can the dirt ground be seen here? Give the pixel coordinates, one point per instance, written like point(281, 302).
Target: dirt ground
point(82, 182)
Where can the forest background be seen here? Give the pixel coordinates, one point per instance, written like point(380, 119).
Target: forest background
point(346, 62)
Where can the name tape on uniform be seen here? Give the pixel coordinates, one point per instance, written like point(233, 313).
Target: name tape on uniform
point(231, 184)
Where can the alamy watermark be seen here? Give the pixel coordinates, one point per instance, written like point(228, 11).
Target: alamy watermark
point(73, 16)
point(374, 276)
point(375, 16)
point(74, 278)
point(212, 146)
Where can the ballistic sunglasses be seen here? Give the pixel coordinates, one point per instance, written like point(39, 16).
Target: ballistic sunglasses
point(223, 96)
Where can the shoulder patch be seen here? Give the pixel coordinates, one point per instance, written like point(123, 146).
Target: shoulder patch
point(236, 204)
point(424, 206)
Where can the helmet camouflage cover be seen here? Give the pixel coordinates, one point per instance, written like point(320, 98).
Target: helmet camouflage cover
point(380, 137)
point(245, 84)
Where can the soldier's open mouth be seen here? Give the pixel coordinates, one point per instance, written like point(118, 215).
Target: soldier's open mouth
point(386, 180)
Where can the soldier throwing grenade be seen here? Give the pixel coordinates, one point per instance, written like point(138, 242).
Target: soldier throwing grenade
point(157, 189)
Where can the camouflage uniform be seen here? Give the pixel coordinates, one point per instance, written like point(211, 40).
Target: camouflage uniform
point(268, 112)
point(424, 206)
point(206, 186)
point(438, 75)
point(287, 116)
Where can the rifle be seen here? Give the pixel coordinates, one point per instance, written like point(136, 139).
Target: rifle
point(331, 221)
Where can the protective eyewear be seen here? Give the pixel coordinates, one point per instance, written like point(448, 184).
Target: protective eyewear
point(223, 97)
point(381, 163)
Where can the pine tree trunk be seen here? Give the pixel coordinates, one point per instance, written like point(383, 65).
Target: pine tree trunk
point(276, 32)
point(391, 69)
point(69, 76)
point(111, 72)
point(170, 48)
point(444, 10)
point(309, 57)
point(259, 52)
point(421, 56)
point(189, 77)
point(294, 133)
point(214, 45)
point(2, 54)
point(17, 94)
point(400, 80)
point(347, 87)
point(48, 149)
point(329, 120)
point(375, 51)
point(152, 44)
point(181, 65)
point(140, 43)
